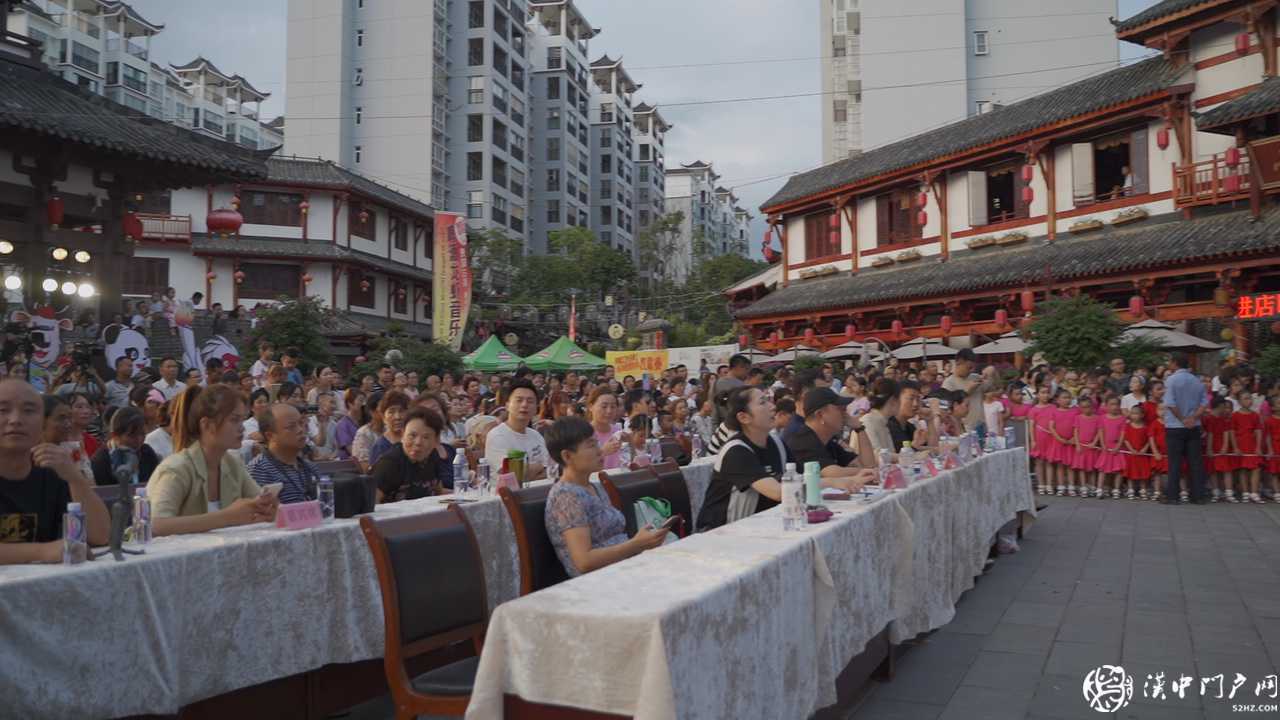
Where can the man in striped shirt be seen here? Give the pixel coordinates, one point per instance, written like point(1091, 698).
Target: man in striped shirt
point(286, 434)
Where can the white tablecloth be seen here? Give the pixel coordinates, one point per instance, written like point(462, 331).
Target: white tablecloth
point(748, 621)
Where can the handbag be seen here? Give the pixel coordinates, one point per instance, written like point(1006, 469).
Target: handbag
point(653, 512)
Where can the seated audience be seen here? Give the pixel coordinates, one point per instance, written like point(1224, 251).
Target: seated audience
point(388, 422)
point(746, 476)
point(819, 441)
point(281, 461)
point(127, 426)
point(322, 429)
point(515, 433)
point(586, 531)
point(412, 468)
point(160, 440)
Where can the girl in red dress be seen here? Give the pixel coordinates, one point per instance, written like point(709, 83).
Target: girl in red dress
point(1246, 429)
point(1062, 431)
point(1139, 449)
point(1038, 434)
point(1160, 466)
point(1271, 437)
point(1219, 460)
point(1088, 444)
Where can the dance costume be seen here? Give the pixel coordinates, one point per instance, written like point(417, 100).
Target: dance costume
point(1111, 461)
point(1137, 467)
point(1086, 458)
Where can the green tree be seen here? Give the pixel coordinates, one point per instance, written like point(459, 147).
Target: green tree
point(496, 260)
point(655, 246)
point(1269, 362)
point(424, 358)
point(293, 323)
point(1140, 352)
point(1077, 332)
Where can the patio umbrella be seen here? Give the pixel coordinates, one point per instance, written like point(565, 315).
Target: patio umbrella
point(563, 354)
point(853, 348)
point(797, 351)
point(1171, 339)
point(492, 356)
point(923, 348)
point(1006, 344)
point(755, 355)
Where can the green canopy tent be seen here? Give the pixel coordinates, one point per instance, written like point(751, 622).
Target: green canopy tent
point(563, 355)
point(492, 356)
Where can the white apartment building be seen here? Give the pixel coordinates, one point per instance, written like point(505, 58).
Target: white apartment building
point(105, 47)
point(712, 222)
point(650, 137)
point(892, 70)
point(612, 152)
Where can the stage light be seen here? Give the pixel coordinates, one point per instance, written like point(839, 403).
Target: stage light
point(49, 285)
point(13, 282)
point(85, 290)
point(68, 288)
point(59, 254)
point(82, 256)
point(6, 247)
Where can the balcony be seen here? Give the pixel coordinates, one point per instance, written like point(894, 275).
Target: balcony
point(1212, 181)
point(164, 228)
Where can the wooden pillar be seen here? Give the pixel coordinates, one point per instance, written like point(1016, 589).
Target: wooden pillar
point(940, 195)
point(1046, 162)
point(851, 216)
point(782, 235)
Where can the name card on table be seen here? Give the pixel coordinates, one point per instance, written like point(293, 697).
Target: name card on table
point(299, 516)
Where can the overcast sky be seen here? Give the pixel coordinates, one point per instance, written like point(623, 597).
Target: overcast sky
point(746, 142)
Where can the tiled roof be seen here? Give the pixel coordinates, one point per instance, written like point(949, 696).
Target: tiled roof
point(325, 173)
point(1262, 100)
point(112, 5)
point(240, 79)
point(319, 250)
point(197, 62)
point(1161, 242)
point(37, 101)
point(1091, 94)
point(1157, 11)
point(346, 323)
point(643, 108)
point(604, 61)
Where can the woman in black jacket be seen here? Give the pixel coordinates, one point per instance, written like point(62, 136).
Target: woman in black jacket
point(128, 429)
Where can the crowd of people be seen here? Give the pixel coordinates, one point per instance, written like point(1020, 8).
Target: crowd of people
point(217, 448)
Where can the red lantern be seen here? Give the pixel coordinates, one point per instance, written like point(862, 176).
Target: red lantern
point(743, 342)
point(1232, 156)
point(1231, 183)
point(946, 325)
point(834, 222)
point(1028, 301)
point(364, 216)
point(306, 278)
point(239, 276)
point(810, 337)
point(1136, 305)
point(660, 340)
point(55, 208)
point(304, 206)
point(1028, 173)
point(1028, 194)
point(224, 222)
point(132, 226)
point(849, 330)
point(922, 199)
point(211, 276)
point(1162, 138)
point(922, 217)
point(1002, 317)
point(897, 328)
point(364, 285)
point(1242, 43)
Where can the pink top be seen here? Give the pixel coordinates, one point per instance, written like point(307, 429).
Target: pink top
point(1018, 410)
point(1087, 427)
point(1064, 422)
point(608, 462)
point(1112, 431)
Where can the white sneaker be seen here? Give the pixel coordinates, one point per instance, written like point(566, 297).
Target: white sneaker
point(1255, 498)
point(1115, 494)
point(1131, 494)
point(1230, 496)
point(1062, 492)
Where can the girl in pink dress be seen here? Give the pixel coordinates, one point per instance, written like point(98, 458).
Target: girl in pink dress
point(1038, 435)
point(1088, 446)
point(1062, 429)
point(1111, 462)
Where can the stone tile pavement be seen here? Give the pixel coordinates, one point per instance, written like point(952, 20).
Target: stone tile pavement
point(1189, 589)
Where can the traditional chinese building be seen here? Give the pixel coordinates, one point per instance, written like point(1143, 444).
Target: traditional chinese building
point(1149, 187)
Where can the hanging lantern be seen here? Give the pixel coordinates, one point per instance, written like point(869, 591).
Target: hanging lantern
point(239, 276)
point(896, 327)
point(137, 197)
point(1228, 335)
point(1232, 156)
point(1220, 296)
point(364, 285)
point(922, 218)
point(1028, 194)
point(364, 216)
point(304, 206)
point(132, 226)
point(1162, 138)
point(306, 278)
point(834, 223)
point(849, 330)
point(224, 222)
point(1275, 328)
point(810, 337)
point(743, 342)
point(1002, 317)
point(1028, 301)
point(1028, 172)
point(1242, 43)
point(1136, 305)
point(55, 209)
point(946, 325)
point(922, 199)
point(211, 276)
point(1231, 183)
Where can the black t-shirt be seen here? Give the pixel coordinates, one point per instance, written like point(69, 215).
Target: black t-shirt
point(804, 446)
point(101, 464)
point(399, 478)
point(31, 510)
point(738, 465)
point(901, 433)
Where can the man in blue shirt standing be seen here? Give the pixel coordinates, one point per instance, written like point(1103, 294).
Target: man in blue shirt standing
point(1184, 403)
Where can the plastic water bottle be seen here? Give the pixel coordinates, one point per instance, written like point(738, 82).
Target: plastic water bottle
point(625, 453)
point(141, 517)
point(324, 493)
point(1010, 438)
point(695, 441)
point(461, 476)
point(794, 515)
point(484, 479)
point(812, 484)
point(907, 456)
point(654, 448)
point(75, 539)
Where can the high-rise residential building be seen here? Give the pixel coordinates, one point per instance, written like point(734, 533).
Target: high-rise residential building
point(104, 46)
point(562, 162)
point(889, 74)
point(712, 223)
point(650, 135)
point(612, 152)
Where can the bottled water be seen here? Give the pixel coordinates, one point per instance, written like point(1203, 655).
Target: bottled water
point(324, 493)
point(75, 541)
point(695, 441)
point(654, 447)
point(1010, 438)
point(625, 453)
point(794, 515)
point(141, 517)
point(484, 478)
point(461, 476)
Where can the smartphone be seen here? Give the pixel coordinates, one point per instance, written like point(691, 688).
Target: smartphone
point(670, 523)
point(646, 383)
point(273, 489)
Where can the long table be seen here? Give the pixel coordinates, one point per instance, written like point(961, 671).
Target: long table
point(749, 621)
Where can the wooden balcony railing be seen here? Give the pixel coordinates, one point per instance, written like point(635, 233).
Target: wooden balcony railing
point(166, 228)
point(1212, 181)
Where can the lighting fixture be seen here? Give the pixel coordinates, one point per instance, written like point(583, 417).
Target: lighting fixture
point(68, 288)
point(85, 290)
point(49, 285)
point(82, 256)
point(6, 247)
point(60, 253)
point(13, 282)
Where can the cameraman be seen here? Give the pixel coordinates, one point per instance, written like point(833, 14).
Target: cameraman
point(79, 378)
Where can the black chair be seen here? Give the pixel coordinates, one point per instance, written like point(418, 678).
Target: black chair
point(673, 449)
point(433, 596)
point(539, 566)
point(625, 488)
point(353, 495)
point(676, 491)
point(336, 467)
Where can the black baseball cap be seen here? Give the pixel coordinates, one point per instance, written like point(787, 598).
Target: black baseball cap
point(818, 398)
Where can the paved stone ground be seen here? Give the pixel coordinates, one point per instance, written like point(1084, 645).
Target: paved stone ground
point(1186, 589)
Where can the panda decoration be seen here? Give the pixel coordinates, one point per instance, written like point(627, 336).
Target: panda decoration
point(217, 346)
point(123, 341)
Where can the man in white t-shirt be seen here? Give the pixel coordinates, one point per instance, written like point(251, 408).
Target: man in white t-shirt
point(515, 433)
point(266, 351)
point(169, 385)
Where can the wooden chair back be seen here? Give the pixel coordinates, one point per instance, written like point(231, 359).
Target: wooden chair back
point(625, 488)
point(539, 565)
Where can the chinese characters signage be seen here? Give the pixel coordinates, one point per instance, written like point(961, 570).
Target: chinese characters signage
point(452, 287)
point(637, 362)
point(1258, 307)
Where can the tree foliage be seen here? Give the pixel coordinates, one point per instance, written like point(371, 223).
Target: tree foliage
point(292, 323)
point(1140, 352)
point(424, 358)
point(1077, 332)
point(1269, 362)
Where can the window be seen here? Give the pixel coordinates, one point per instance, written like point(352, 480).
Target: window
point(606, 163)
point(645, 152)
point(400, 299)
point(362, 289)
point(359, 153)
point(500, 60)
point(400, 233)
point(554, 58)
point(475, 90)
point(499, 97)
point(360, 38)
point(142, 275)
point(475, 166)
point(644, 173)
point(1110, 167)
point(259, 207)
point(517, 218)
point(896, 218)
point(85, 57)
point(606, 112)
point(475, 14)
point(267, 281)
point(606, 137)
point(475, 128)
point(517, 147)
point(553, 180)
point(980, 45)
point(553, 88)
point(517, 75)
point(359, 77)
point(359, 114)
point(553, 216)
point(133, 78)
point(606, 215)
point(840, 110)
point(500, 24)
point(475, 51)
point(475, 203)
point(606, 189)
point(996, 194)
point(517, 182)
point(644, 218)
point(362, 220)
point(499, 135)
point(553, 148)
point(553, 119)
point(517, 111)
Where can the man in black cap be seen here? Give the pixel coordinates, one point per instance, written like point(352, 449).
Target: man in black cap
point(818, 441)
